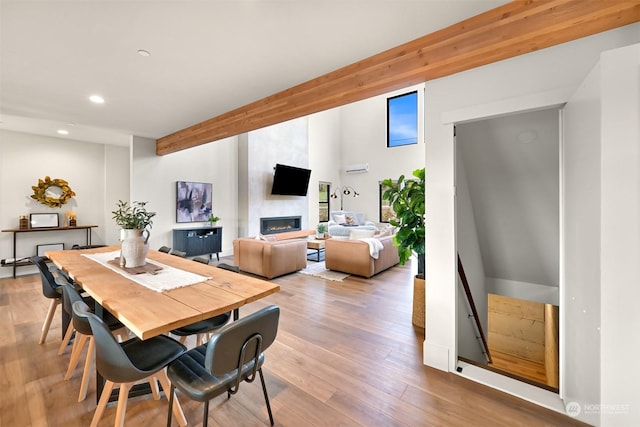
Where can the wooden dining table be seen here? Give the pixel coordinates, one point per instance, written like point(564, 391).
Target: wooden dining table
point(147, 312)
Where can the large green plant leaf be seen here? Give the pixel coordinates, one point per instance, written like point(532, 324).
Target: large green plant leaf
point(407, 198)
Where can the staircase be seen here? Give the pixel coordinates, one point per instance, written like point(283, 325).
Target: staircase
point(522, 338)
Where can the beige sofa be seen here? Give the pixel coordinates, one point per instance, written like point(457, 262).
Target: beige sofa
point(353, 256)
point(270, 258)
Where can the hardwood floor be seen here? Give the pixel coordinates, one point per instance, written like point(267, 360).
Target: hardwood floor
point(346, 354)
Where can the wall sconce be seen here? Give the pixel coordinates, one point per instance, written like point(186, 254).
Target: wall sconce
point(343, 191)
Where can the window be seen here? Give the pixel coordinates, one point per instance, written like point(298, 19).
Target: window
point(386, 211)
point(402, 119)
point(324, 189)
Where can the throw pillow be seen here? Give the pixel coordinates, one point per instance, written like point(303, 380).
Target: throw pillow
point(340, 219)
point(336, 213)
point(350, 220)
point(361, 234)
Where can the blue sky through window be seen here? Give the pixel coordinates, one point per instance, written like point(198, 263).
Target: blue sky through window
point(402, 120)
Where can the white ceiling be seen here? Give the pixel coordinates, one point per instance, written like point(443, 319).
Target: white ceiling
point(207, 57)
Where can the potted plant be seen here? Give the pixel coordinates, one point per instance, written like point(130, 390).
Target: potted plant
point(407, 198)
point(134, 221)
point(213, 220)
point(320, 230)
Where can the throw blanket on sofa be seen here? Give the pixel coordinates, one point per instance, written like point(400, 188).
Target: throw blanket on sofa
point(375, 246)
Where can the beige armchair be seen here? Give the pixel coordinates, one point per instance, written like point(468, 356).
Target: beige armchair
point(270, 258)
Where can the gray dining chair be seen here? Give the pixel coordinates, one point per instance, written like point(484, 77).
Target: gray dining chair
point(83, 335)
point(128, 362)
point(233, 355)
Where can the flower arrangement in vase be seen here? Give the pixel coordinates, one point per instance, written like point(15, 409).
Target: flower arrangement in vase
point(70, 218)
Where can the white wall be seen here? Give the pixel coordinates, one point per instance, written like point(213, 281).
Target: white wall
point(580, 311)
point(153, 179)
point(602, 206)
point(324, 152)
point(285, 143)
point(364, 141)
point(536, 80)
point(620, 237)
point(514, 191)
point(523, 290)
point(471, 257)
point(89, 169)
point(117, 177)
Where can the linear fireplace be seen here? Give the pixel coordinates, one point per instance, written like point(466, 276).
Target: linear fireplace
point(280, 224)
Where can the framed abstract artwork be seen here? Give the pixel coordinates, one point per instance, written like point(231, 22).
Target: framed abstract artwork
point(193, 201)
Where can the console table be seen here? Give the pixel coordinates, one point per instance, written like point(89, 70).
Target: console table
point(198, 241)
point(16, 231)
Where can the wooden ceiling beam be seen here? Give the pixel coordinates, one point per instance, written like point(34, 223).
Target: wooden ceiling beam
point(514, 29)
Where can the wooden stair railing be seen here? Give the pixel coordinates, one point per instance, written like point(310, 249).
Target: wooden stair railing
point(474, 311)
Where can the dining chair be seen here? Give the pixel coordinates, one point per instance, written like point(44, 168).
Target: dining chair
point(233, 355)
point(201, 259)
point(181, 254)
point(50, 289)
point(128, 362)
point(83, 335)
point(164, 249)
point(202, 329)
point(228, 267)
point(66, 306)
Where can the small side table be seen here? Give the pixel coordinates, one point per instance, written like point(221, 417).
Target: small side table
point(318, 246)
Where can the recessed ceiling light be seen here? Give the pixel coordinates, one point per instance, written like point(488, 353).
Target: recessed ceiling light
point(63, 132)
point(143, 52)
point(96, 99)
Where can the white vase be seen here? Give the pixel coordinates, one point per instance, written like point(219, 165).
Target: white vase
point(134, 248)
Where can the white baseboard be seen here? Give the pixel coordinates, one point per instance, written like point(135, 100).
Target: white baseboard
point(516, 388)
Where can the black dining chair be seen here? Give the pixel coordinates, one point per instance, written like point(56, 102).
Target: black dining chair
point(165, 249)
point(234, 354)
point(50, 289)
point(83, 335)
point(61, 282)
point(202, 329)
point(181, 254)
point(128, 362)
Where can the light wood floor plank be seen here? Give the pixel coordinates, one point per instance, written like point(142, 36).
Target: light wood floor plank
point(346, 355)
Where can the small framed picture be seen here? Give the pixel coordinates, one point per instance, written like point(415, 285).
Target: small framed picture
point(42, 249)
point(44, 220)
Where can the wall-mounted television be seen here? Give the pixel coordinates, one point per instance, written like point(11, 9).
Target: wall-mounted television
point(290, 180)
point(193, 201)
